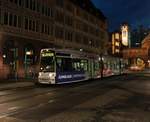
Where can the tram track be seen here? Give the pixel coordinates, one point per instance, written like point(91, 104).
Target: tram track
point(34, 86)
point(65, 95)
point(15, 88)
point(17, 97)
point(10, 91)
point(24, 103)
point(29, 92)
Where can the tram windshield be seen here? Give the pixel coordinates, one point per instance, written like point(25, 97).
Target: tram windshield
point(47, 62)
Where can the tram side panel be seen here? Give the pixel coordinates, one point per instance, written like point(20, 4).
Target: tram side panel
point(97, 69)
point(91, 68)
point(72, 70)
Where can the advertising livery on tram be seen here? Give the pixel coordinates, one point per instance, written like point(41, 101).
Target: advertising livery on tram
point(66, 66)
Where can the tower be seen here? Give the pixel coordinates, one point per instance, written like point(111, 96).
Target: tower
point(125, 33)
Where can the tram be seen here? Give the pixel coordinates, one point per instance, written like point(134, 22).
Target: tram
point(66, 66)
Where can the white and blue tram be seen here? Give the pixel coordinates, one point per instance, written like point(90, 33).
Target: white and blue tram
point(66, 66)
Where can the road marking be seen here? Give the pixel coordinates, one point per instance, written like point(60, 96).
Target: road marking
point(14, 108)
point(3, 116)
point(49, 93)
point(40, 105)
point(50, 101)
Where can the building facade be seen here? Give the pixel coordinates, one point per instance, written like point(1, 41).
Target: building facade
point(146, 46)
point(116, 43)
point(137, 35)
point(139, 56)
point(120, 40)
point(27, 26)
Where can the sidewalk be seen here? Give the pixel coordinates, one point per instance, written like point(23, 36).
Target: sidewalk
point(12, 84)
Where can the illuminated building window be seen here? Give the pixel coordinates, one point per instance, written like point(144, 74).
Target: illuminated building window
point(113, 50)
point(113, 37)
point(117, 51)
point(113, 42)
point(117, 44)
point(117, 36)
point(124, 33)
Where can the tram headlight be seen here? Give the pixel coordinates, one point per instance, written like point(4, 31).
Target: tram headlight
point(41, 68)
point(40, 74)
point(51, 75)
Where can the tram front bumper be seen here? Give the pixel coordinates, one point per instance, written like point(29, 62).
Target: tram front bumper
point(46, 81)
point(46, 78)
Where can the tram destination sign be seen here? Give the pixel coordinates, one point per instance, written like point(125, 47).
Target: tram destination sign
point(47, 54)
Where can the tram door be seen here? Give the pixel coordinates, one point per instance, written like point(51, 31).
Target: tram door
point(10, 57)
point(28, 61)
point(91, 69)
point(14, 62)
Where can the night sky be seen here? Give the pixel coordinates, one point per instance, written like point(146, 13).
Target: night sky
point(135, 12)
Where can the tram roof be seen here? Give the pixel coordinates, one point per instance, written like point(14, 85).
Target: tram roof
point(73, 53)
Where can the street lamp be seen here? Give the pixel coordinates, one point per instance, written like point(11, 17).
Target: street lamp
point(81, 50)
point(120, 65)
point(4, 55)
point(148, 63)
point(101, 60)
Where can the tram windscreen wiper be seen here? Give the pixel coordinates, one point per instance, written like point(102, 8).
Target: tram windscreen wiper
point(47, 64)
point(48, 69)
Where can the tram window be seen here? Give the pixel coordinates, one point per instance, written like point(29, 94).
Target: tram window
point(76, 65)
point(96, 65)
point(59, 64)
point(84, 65)
point(47, 63)
point(64, 64)
point(80, 65)
point(67, 64)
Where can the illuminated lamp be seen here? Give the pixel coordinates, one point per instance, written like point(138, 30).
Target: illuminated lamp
point(29, 53)
point(125, 35)
point(4, 55)
point(117, 36)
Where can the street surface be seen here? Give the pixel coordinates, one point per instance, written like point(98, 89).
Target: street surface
point(123, 98)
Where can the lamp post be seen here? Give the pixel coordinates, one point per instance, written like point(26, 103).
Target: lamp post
point(25, 61)
point(120, 68)
point(101, 64)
